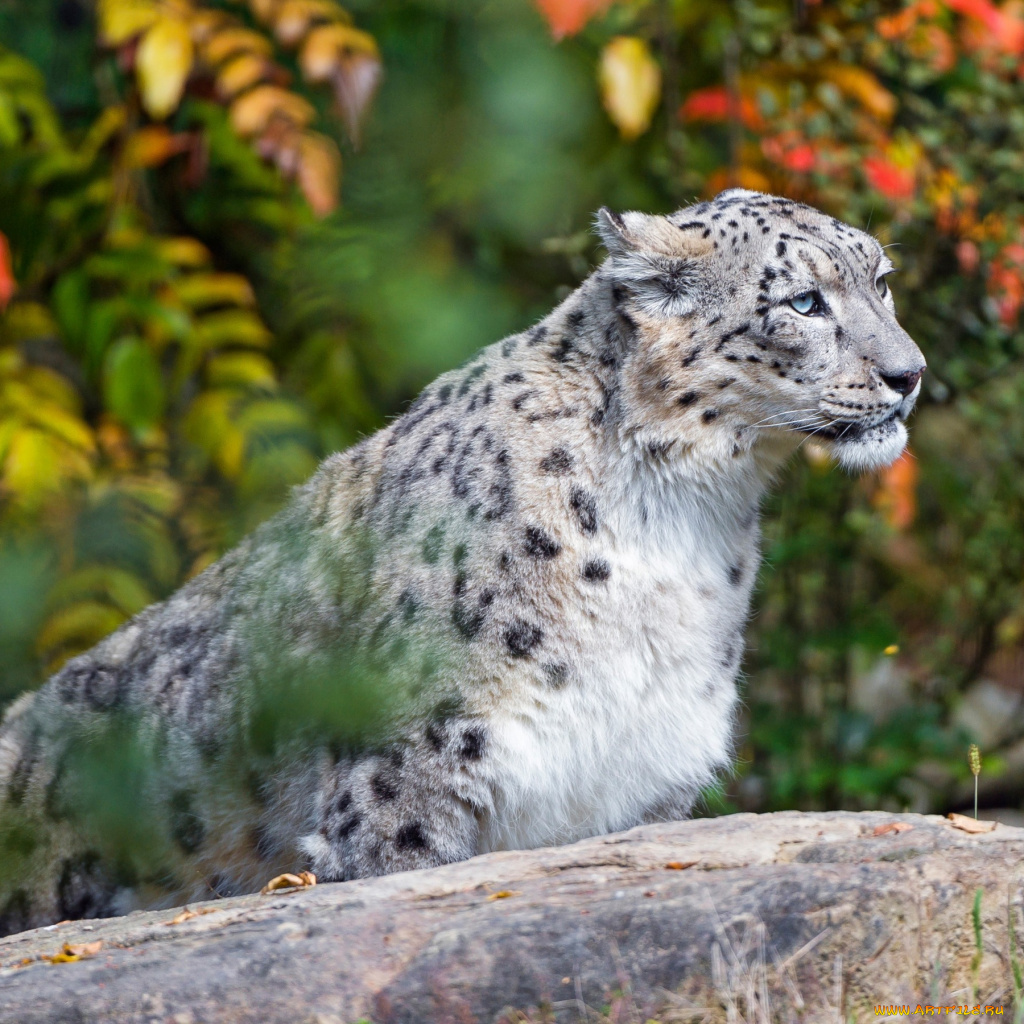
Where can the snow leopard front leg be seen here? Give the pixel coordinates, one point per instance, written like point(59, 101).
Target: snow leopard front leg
point(418, 803)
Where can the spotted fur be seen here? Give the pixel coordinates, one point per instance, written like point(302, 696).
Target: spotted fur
point(551, 554)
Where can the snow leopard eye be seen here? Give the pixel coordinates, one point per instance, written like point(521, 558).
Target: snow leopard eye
point(881, 287)
point(807, 304)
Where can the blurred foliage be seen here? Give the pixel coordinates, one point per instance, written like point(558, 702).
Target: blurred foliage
point(190, 322)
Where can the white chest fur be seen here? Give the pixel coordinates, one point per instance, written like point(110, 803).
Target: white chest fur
point(646, 720)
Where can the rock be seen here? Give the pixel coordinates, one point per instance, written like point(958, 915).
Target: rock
point(988, 713)
point(777, 916)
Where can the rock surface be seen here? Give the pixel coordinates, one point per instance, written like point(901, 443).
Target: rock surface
point(782, 917)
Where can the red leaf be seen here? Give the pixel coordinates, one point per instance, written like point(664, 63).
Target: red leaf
point(896, 183)
point(715, 104)
point(567, 17)
point(8, 286)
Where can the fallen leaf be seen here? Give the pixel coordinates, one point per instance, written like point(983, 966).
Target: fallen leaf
point(187, 914)
point(630, 84)
point(303, 880)
point(890, 827)
point(680, 865)
point(972, 825)
point(70, 953)
point(503, 894)
point(84, 948)
point(163, 62)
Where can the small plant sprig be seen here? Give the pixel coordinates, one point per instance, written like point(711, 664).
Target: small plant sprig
point(974, 760)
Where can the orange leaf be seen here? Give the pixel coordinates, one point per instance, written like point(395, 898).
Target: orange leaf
point(294, 18)
point(680, 865)
point(864, 88)
point(252, 112)
point(8, 286)
point(303, 880)
point(892, 827)
point(630, 84)
point(163, 63)
point(897, 495)
point(236, 40)
point(567, 17)
point(318, 173)
point(152, 144)
point(239, 73)
point(326, 44)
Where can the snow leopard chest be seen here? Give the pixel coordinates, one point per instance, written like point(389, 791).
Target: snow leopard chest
point(645, 720)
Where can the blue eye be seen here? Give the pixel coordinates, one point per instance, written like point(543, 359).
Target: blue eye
point(807, 304)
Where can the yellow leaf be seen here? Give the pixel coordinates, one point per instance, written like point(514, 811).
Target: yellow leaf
point(163, 63)
point(68, 427)
point(319, 173)
point(236, 40)
point(324, 46)
point(183, 252)
point(121, 20)
point(263, 10)
point(630, 84)
point(241, 369)
point(239, 73)
point(503, 894)
point(199, 290)
point(77, 627)
point(863, 87)
point(204, 24)
point(231, 327)
point(294, 18)
point(36, 465)
point(253, 111)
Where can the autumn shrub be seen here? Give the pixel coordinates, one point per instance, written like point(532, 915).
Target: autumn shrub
point(191, 319)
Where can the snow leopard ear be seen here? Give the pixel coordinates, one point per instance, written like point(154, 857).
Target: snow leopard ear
point(653, 259)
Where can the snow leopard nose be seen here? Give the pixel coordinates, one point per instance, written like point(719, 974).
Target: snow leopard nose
point(903, 383)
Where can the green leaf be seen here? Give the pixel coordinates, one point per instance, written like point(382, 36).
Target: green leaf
point(133, 385)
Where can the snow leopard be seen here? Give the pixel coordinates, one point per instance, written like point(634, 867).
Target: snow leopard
point(538, 576)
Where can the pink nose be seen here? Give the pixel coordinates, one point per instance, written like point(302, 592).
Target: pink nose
point(903, 383)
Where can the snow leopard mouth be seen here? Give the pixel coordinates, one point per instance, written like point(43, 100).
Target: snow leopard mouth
point(850, 431)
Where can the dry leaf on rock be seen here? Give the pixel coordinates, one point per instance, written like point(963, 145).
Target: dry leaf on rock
point(70, 952)
point(679, 865)
point(890, 827)
point(303, 880)
point(503, 894)
point(972, 825)
point(187, 914)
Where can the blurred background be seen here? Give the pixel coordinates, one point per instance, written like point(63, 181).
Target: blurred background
point(237, 235)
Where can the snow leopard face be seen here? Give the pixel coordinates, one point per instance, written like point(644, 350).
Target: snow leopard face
point(759, 315)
